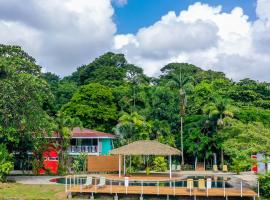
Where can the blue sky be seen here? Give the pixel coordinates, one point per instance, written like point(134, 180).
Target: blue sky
point(142, 13)
point(65, 34)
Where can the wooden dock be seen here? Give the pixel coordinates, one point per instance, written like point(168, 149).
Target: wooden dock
point(151, 185)
point(154, 190)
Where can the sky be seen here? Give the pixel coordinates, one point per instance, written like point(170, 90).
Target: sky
point(232, 36)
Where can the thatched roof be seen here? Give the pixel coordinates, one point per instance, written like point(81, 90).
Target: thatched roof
point(146, 147)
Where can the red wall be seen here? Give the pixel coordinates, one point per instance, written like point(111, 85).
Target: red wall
point(50, 161)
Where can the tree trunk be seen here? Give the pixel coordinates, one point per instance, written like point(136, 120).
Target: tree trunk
point(222, 156)
point(182, 146)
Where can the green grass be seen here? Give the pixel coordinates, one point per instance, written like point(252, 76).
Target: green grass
point(31, 192)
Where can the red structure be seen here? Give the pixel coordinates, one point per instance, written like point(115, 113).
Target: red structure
point(50, 161)
point(255, 165)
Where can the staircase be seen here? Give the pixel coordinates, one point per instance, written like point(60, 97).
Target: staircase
point(200, 167)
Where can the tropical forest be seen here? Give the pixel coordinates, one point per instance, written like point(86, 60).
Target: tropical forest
point(203, 113)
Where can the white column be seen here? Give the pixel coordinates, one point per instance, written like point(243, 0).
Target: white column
point(98, 146)
point(124, 165)
point(170, 158)
point(119, 165)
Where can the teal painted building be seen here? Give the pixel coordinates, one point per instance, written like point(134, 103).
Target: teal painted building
point(90, 142)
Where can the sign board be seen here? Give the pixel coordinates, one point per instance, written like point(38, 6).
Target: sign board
point(126, 181)
point(208, 183)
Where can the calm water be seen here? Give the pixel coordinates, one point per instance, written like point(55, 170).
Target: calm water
point(217, 182)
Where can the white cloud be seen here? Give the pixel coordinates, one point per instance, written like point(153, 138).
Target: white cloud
point(205, 36)
point(65, 34)
point(62, 34)
point(120, 2)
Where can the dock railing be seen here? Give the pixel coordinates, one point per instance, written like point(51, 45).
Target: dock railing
point(76, 183)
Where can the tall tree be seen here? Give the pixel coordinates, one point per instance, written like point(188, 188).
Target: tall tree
point(178, 73)
point(218, 110)
point(23, 93)
point(93, 104)
point(64, 126)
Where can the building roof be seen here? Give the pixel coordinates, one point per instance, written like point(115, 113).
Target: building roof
point(86, 133)
point(146, 147)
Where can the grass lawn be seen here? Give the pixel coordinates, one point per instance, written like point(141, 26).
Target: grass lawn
point(31, 192)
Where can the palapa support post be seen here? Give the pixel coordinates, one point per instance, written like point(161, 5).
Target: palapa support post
point(115, 197)
point(119, 163)
point(170, 160)
point(141, 197)
point(168, 197)
point(124, 165)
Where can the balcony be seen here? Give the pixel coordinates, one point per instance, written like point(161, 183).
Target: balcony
point(83, 149)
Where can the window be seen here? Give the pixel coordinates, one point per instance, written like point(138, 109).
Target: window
point(53, 158)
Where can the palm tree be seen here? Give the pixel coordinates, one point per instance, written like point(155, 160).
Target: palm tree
point(219, 110)
point(183, 84)
point(132, 127)
point(64, 127)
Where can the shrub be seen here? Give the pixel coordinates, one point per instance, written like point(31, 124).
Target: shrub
point(79, 163)
point(264, 181)
point(6, 163)
point(160, 164)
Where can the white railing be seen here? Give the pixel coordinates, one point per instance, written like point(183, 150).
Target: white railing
point(77, 181)
point(83, 149)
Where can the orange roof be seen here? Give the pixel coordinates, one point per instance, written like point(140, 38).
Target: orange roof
point(86, 133)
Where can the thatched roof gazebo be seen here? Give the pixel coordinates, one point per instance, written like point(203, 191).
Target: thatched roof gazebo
point(145, 148)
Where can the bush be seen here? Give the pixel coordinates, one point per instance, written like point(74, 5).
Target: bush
point(131, 170)
point(264, 181)
point(79, 163)
point(241, 164)
point(6, 163)
point(160, 164)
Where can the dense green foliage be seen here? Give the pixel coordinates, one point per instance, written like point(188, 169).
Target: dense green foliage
point(222, 118)
point(265, 185)
point(6, 164)
point(23, 119)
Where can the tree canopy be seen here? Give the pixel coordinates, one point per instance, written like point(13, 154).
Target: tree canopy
point(109, 94)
